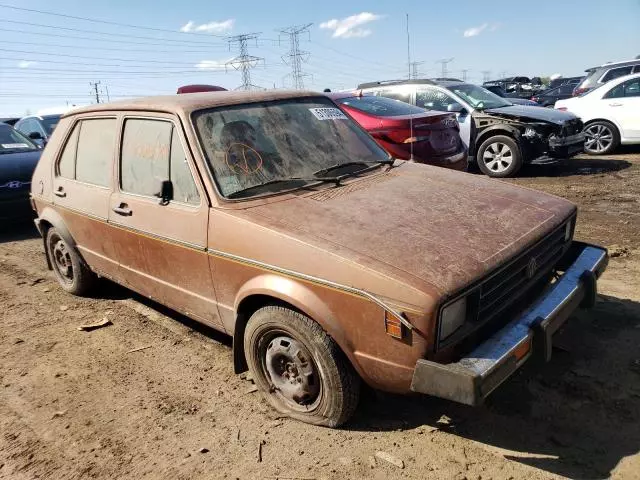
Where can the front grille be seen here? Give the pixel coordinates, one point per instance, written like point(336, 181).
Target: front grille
point(504, 287)
point(572, 127)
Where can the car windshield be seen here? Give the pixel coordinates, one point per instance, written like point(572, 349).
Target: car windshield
point(275, 142)
point(478, 97)
point(49, 123)
point(380, 106)
point(12, 141)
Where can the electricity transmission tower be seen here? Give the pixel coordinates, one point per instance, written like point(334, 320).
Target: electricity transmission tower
point(486, 75)
point(244, 62)
point(414, 69)
point(295, 57)
point(464, 74)
point(444, 62)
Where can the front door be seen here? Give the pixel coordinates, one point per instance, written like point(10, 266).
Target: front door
point(623, 105)
point(82, 186)
point(432, 98)
point(162, 244)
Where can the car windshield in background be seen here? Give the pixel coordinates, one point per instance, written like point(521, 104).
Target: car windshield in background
point(280, 143)
point(479, 97)
point(380, 106)
point(49, 122)
point(12, 141)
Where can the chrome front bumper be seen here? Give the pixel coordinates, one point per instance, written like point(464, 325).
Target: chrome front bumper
point(474, 377)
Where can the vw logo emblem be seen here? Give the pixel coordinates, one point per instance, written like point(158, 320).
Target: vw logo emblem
point(532, 267)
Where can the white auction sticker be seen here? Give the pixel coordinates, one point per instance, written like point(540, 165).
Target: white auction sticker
point(328, 113)
point(15, 145)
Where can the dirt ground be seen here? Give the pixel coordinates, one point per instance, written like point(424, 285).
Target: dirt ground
point(100, 405)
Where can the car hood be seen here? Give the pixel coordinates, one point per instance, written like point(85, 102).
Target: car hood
point(18, 166)
point(524, 113)
point(523, 101)
point(418, 224)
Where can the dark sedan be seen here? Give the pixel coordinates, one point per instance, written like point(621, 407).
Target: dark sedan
point(18, 159)
point(549, 97)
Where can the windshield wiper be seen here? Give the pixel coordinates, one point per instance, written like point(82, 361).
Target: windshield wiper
point(238, 193)
point(348, 164)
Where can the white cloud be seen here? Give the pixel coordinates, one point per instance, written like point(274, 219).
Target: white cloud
point(211, 27)
point(211, 65)
point(26, 64)
point(475, 31)
point(351, 27)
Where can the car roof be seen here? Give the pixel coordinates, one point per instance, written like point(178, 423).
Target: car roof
point(623, 63)
point(384, 83)
point(193, 101)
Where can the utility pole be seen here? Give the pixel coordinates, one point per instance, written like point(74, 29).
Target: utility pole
point(408, 50)
point(95, 90)
point(414, 69)
point(106, 87)
point(295, 57)
point(444, 62)
point(464, 74)
point(486, 75)
point(244, 62)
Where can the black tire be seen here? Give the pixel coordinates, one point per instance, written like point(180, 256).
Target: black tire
point(602, 137)
point(503, 166)
point(299, 367)
point(69, 268)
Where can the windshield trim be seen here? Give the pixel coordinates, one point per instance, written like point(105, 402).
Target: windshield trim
point(209, 168)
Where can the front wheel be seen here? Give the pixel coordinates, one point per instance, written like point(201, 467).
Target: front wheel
point(499, 156)
point(601, 137)
point(300, 369)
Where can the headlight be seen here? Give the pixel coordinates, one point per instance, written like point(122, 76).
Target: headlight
point(453, 317)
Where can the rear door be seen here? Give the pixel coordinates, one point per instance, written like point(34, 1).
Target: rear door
point(82, 186)
point(432, 98)
point(162, 245)
point(623, 105)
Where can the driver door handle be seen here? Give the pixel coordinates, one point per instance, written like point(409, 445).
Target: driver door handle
point(123, 209)
point(59, 192)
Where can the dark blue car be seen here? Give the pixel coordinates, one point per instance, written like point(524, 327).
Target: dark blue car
point(18, 159)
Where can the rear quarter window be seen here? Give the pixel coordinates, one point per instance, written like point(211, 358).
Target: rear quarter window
point(615, 73)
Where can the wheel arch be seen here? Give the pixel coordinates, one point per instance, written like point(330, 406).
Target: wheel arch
point(502, 129)
point(48, 219)
point(602, 119)
point(272, 289)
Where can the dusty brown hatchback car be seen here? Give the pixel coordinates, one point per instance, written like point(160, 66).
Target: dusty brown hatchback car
point(275, 218)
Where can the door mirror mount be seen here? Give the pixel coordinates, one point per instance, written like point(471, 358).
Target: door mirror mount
point(165, 192)
point(456, 108)
point(36, 136)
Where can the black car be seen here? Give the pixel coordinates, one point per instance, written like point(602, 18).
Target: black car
point(18, 159)
point(558, 82)
point(500, 136)
point(548, 98)
point(498, 90)
point(38, 128)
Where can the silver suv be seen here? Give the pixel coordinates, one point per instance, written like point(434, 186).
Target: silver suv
point(597, 76)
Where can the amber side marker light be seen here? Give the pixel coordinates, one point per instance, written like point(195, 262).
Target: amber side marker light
point(522, 350)
point(393, 326)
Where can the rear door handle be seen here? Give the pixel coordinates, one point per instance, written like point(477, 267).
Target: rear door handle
point(123, 209)
point(59, 192)
point(615, 104)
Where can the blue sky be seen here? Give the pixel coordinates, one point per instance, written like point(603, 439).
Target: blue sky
point(47, 61)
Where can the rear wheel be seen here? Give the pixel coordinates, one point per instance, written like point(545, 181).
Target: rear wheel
point(72, 273)
point(301, 370)
point(602, 137)
point(499, 156)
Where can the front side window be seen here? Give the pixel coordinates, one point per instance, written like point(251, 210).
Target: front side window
point(632, 88)
point(478, 97)
point(152, 153)
point(94, 156)
point(269, 147)
point(615, 73)
point(380, 106)
point(433, 99)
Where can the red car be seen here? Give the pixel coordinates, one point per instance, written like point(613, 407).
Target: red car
point(407, 132)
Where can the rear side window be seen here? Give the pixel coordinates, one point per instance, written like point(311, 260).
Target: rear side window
point(88, 154)
point(380, 106)
point(398, 93)
point(615, 73)
point(433, 99)
point(567, 89)
point(152, 153)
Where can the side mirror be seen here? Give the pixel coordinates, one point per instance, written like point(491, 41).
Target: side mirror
point(455, 107)
point(36, 136)
point(165, 193)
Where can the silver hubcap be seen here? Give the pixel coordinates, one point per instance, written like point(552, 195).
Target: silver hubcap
point(498, 157)
point(62, 260)
point(292, 372)
point(599, 138)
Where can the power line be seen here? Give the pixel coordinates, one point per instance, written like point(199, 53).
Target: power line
point(57, 45)
point(295, 57)
point(106, 22)
point(444, 62)
point(244, 62)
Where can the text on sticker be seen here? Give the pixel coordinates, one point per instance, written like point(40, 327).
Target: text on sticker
point(15, 145)
point(328, 113)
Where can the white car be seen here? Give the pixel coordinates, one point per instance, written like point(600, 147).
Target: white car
point(611, 114)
